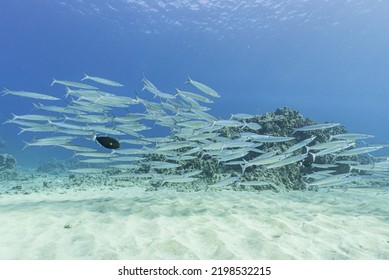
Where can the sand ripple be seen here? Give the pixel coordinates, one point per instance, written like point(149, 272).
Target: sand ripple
point(133, 224)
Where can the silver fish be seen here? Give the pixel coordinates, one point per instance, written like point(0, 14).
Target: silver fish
point(351, 136)
point(204, 88)
point(358, 151)
point(72, 84)
point(102, 81)
point(29, 94)
point(316, 127)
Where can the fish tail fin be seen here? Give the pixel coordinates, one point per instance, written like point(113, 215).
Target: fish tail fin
point(26, 145)
point(313, 156)
point(188, 81)
point(6, 91)
point(38, 106)
point(22, 129)
point(14, 117)
point(178, 112)
point(144, 81)
point(85, 77)
point(53, 82)
point(136, 97)
point(68, 91)
point(112, 117)
point(7, 121)
point(74, 154)
point(65, 118)
point(243, 166)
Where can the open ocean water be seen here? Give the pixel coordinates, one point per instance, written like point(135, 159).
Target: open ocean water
point(194, 129)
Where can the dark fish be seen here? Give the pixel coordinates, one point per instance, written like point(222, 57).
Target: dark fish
point(108, 142)
point(307, 162)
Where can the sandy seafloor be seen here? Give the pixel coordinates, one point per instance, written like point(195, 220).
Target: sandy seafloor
point(104, 222)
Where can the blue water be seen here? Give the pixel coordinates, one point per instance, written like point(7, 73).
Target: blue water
point(327, 59)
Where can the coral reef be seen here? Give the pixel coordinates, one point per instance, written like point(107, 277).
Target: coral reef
point(278, 123)
point(2, 143)
point(280, 150)
point(7, 162)
point(7, 168)
point(55, 166)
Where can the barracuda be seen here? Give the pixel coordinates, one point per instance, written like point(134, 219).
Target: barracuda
point(87, 170)
point(351, 136)
point(327, 145)
point(29, 94)
point(72, 84)
point(34, 117)
point(193, 96)
point(42, 128)
point(102, 81)
point(223, 183)
point(262, 161)
point(204, 88)
point(178, 179)
point(315, 127)
point(153, 89)
point(358, 151)
point(287, 161)
point(328, 180)
point(300, 144)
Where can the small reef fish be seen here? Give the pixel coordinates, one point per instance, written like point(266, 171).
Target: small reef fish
point(107, 142)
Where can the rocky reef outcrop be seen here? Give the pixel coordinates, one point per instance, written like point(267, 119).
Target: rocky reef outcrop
point(7, 162)
point(2, 143)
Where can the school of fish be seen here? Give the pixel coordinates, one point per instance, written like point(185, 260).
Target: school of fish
point(90, 126)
